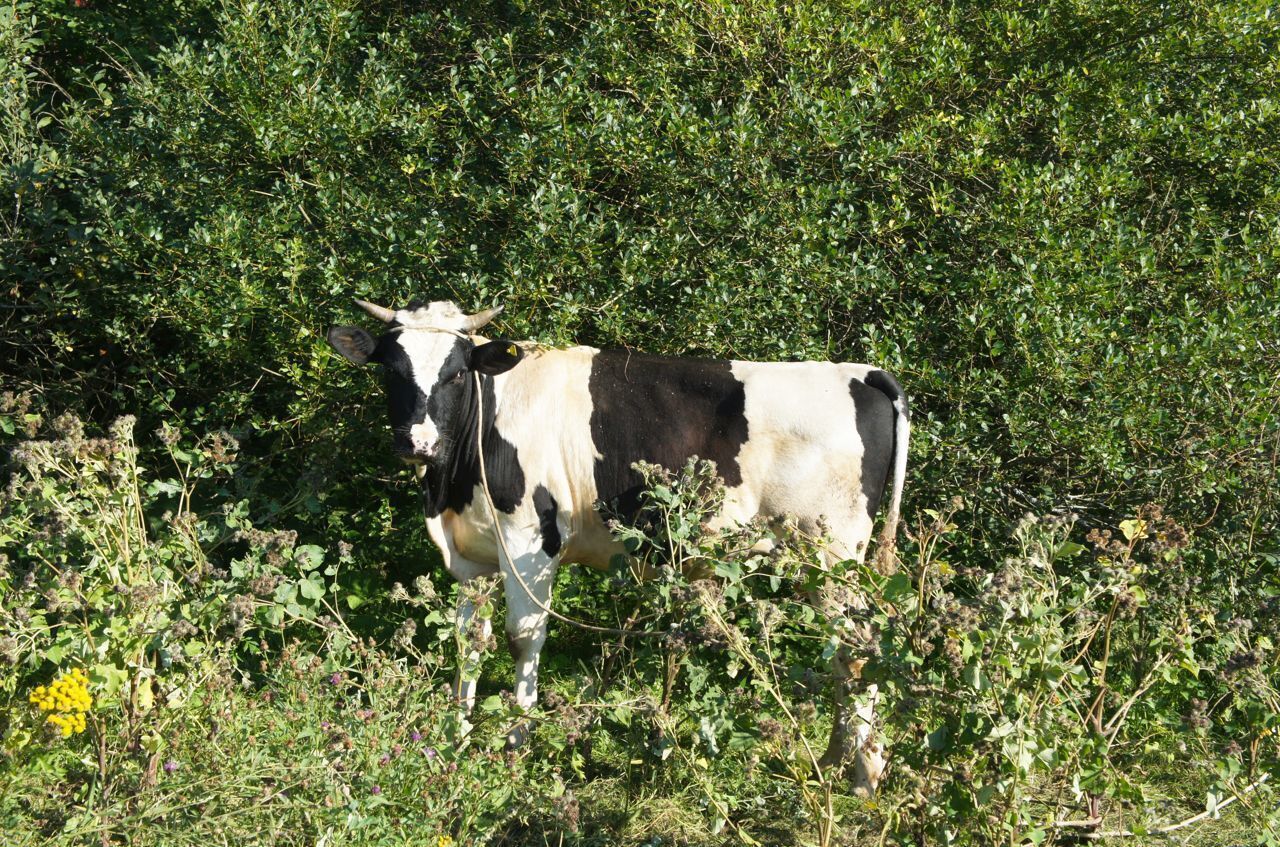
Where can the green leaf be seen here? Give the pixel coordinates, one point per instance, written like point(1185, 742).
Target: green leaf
point(153, 742)
point(166, 487)
point(1132, 529)
point(973, 677)
point(312, 588)
point(730, 570)
point(897, 587)
point(1003, 729)
point(309, 556)
point(108, 679)
point(1067, 550)
point(272, 615)
point(1212, 800)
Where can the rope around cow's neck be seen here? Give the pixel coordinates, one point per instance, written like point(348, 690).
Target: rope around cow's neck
point(511, 562)
point(497, 529)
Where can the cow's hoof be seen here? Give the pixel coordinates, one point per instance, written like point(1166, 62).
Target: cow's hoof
point(517, 736)
point(868, 767)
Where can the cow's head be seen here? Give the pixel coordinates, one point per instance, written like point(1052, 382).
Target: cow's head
point(428, 358)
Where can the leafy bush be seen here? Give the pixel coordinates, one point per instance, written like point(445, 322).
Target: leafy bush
point(1068, 690)
point(147, 628)
point(1053, 223)
point(1060, 690)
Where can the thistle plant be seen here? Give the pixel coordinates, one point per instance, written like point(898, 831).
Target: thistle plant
point(135, 576)
point(1030, 699)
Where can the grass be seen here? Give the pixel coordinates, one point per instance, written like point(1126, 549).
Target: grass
point(284, 761)
point(245, 693)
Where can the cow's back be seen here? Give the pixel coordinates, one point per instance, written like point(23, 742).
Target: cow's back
point(806, 439)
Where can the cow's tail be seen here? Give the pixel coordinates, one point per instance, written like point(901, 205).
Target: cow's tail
point(886, 558)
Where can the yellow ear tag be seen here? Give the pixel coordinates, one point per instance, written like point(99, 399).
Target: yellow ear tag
point(511, 350)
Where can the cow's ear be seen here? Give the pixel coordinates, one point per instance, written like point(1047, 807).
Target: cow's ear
point(495, 357)
point(353, 343)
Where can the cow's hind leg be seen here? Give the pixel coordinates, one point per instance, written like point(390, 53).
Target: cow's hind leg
point(527, 585)
point(852, 729)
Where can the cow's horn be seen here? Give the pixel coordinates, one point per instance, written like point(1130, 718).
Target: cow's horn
point(380, 312)
point(479, 319)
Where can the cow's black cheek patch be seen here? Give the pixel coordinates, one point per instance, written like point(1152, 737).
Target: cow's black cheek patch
point(501, 459)
point(662, 410)
point(546, 507)
point(875, 420)
point(406, 402)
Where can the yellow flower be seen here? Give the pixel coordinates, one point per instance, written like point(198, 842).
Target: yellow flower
point(444, 841)
point(68, 699)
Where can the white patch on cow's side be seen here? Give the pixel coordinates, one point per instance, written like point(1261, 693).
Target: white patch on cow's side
point(803, 454)
point(555, 383)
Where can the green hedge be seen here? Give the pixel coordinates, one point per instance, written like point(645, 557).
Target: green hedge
point(1056, 222)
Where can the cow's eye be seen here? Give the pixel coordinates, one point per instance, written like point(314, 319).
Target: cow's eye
point(456, 378)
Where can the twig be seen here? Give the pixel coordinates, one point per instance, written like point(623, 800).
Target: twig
point(1112, 727)
point(1125, 833)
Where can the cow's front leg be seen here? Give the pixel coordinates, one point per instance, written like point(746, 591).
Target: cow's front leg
point(469, 631)
point(473, 635)
point(527, 585)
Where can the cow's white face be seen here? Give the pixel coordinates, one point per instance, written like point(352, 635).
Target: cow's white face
point(427, 361)
point(425, 375)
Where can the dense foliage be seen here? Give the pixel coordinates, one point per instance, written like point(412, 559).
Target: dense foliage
point(1058, 223)
point(194, 677)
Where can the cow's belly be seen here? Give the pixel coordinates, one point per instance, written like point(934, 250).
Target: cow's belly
point(591, 544)
point(472, 535)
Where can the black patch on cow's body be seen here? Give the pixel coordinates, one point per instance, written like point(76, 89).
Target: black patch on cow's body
point(662, 410)
point(546, 507)
point(873, 408)
point(884, 382)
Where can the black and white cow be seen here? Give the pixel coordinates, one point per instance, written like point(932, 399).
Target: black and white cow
point(561, 429)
